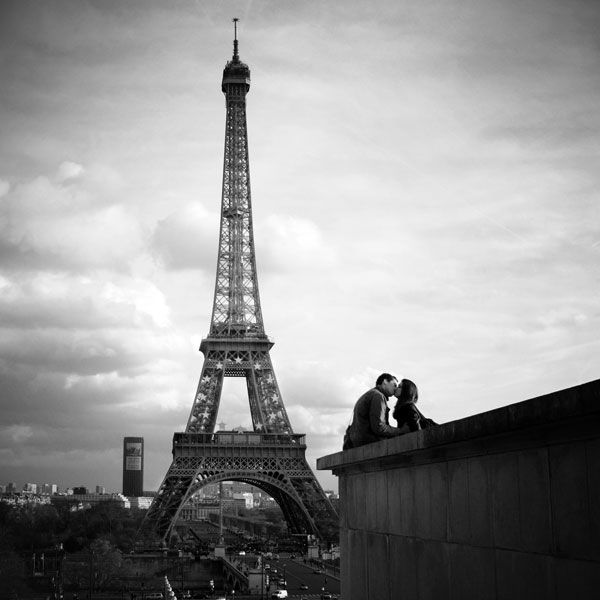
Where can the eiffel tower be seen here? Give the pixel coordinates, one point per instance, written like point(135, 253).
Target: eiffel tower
point(272, 456)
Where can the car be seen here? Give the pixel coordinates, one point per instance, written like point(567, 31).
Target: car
point(303, 586)
point(279, 594)
point(318, 571)
point(154, 596)
point(326, 596)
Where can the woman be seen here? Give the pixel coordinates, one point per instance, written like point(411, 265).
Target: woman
point(406, 411)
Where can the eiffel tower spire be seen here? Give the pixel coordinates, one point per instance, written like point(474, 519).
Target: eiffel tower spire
point(236, 307)
point(272, 457)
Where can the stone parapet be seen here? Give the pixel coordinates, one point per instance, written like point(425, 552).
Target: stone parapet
point(504, 504)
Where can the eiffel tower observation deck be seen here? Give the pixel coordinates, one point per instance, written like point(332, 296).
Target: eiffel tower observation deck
point(272, 456)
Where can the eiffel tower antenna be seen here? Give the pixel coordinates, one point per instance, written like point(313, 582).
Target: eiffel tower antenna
point(235, 40)
point(272, 456)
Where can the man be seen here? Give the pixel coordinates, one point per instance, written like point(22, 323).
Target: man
point(370, 419)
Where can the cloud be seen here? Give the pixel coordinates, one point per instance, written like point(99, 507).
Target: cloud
point(290, 243)
point(68, 170)
point(70, 223)
point(72, 301)
point(17, 433)
point(188, 238)
point(85, 330)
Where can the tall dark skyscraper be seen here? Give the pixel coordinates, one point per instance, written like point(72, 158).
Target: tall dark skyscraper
point(133, 466)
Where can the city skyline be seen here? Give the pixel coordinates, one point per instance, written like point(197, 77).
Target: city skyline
point(425, 197)
point(22, 484)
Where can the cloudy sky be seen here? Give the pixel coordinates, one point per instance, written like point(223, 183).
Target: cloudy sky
point(425, 183)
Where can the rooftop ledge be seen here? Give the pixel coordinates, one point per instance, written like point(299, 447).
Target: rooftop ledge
point(557, 416)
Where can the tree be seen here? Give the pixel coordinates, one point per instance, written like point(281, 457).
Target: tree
point(12, 571)
point(96, 568)
point(108, 561)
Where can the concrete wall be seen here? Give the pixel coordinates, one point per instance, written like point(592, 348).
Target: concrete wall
point(501, 505)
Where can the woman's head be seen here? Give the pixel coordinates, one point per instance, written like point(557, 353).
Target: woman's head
point(407, 391)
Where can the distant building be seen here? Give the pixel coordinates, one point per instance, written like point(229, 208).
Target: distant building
point(100, 489)
point(30, 488)
point(80, 491)
point(210, 491)
point(238, 487)
point(86, 500)
point(267, 502)
point(11, 487)
point(331, 554)
point(49, 489)
point(143, 502)
point(244, 500)
point(197, 509)
point(24, 499)
point(133, 466)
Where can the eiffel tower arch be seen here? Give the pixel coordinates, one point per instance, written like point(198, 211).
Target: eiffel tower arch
point(271, 456)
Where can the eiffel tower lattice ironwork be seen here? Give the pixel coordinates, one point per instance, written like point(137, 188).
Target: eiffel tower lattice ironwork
point(272, 456)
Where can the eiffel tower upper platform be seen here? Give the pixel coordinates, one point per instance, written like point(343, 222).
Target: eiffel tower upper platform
point(272, 456)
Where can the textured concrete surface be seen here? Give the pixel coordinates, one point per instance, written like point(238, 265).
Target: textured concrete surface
point(505, 504)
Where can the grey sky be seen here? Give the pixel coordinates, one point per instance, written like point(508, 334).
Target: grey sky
point(425, 182)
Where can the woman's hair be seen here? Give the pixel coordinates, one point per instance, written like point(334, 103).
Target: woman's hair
point(408, 392)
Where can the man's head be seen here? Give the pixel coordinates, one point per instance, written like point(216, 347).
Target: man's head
point(387, 384)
